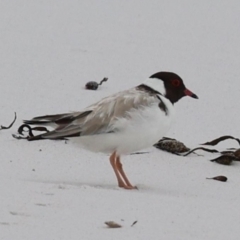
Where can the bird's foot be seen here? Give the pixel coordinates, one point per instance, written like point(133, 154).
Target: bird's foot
point(128, 187)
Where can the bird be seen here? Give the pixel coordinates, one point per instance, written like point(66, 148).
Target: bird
point(121, 123)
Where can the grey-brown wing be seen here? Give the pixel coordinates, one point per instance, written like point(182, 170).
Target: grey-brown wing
point(104, 114)
point(58, 119)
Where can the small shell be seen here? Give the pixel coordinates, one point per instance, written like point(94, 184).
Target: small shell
point(112, 224)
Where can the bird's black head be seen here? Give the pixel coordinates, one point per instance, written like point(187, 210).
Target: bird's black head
point(174, 86)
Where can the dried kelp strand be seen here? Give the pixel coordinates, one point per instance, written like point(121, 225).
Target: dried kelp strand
point(14, 120)
point(224, 159)
point(22, 128)
point(26, 128)
point(40, 129)
point(237, 154)
point(201, 148)
point(220, 139)
point(228, 153)
point(104, 80)
point(19, 137)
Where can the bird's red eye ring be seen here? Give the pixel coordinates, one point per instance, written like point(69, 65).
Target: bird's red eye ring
point(176, 83)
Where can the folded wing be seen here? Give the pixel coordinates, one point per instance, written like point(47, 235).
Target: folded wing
point(96, 119)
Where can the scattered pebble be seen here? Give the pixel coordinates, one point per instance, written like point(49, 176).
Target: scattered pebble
point(134, 223)
point(112, 224)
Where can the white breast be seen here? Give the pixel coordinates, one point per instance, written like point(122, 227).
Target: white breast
point(142, 129)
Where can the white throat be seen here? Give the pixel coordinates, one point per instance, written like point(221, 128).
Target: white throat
point(156, 84)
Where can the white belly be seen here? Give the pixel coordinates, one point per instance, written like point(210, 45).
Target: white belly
point(143, 129)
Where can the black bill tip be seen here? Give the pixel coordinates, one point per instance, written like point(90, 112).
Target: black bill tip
point(190, 94)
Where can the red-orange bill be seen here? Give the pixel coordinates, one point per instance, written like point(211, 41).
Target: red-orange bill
point(190, 94)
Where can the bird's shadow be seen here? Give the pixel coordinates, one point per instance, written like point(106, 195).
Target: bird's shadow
point(62, 184)
point(141, 188)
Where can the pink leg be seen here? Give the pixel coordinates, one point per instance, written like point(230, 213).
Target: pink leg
point(123, 175)
point(114, 166)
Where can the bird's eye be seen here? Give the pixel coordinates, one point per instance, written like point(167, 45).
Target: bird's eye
point(176, 83)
